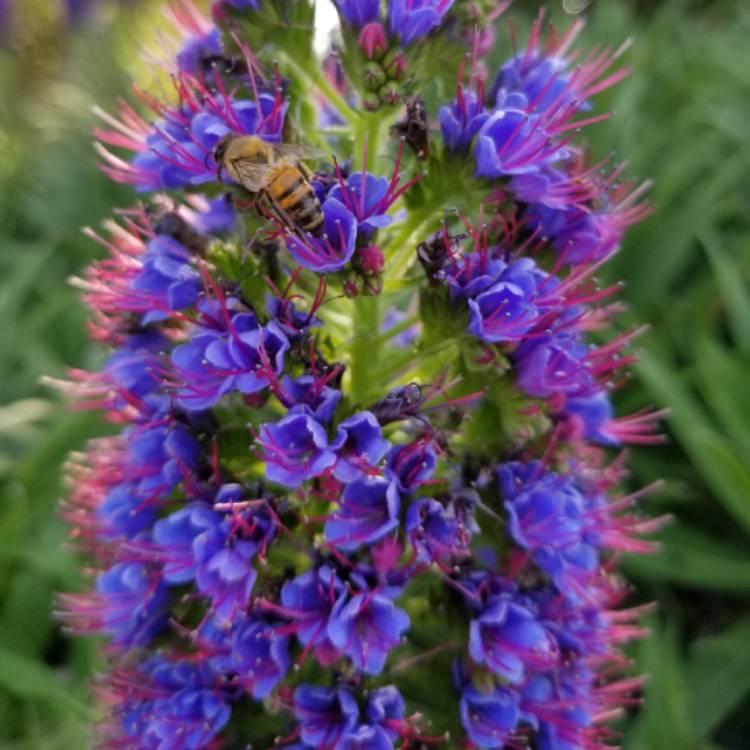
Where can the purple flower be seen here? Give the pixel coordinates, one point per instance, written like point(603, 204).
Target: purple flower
point(470, 274)
point(412, 19)
point(260, 655)
point(540, 78)
point(295, 449)
point(196, 49)
point(434, 533)
point(125, 511)
point(502, 313)
point(217, 218)
point(293, 322)
point(215, 549)
point(461, 120)
point(243, 4)
point(245, 359)
point(367, 737)
point(167, 277)
point(550, 517)
point(326, 716)
point(385, 706)
point(162, 457)
point(359, 445)
point(368, 197)
point(335, 248)
point(312, 392)
point(411, 465)
point(489, 718)
point(133, 368)
point(178, 706)
point(368, 511)
point(548, 365)
point(177, 150)
point(175, 535)
point(134, 603)
point(594, 417)
point(512, 142)
point(359, 12)
point(509, 640)
point(365, 628)
point(309, 599)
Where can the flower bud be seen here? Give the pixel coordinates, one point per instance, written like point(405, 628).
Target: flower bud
point(371, 259)
point(372, 40)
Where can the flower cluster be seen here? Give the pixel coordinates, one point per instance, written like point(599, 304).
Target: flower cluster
point(351, 504)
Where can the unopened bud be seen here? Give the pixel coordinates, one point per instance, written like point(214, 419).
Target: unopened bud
point(372, 40)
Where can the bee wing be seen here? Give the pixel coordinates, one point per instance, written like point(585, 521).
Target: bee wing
point(252, 176)
point(295, 152)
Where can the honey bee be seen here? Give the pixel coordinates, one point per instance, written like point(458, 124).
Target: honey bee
point(274, 170)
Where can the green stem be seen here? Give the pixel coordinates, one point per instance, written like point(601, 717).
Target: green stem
point(365, 348)
point(316, 77)
point(402, 247)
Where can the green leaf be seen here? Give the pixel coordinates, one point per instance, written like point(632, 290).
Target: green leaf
point(29, 679)
point(718, 676)
point(712, 455)
point(733, 289)
point(691, 558)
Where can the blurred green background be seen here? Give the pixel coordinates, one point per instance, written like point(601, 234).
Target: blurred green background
point(683, 119)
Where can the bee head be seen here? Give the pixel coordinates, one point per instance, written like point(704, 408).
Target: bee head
point(221, 148)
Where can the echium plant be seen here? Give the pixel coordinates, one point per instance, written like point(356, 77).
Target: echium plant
point(365, 488)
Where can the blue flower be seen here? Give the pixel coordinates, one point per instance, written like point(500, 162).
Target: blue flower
point(434, 532)
point(125, 511)
point(513, 142)
point(502, 313)
point(326, 716)
point(367, 737)
point(359, 445)
point(196, 49)
point(553, 364)
point(540, 78)
point(243, 4)
point(295, 448)
point(412, 19)
point(461, 120)
point(593, 417)
point(312, 392)
point(177, 706)
point(550, 517)
point(167, 277)
point(411, 465)
point(368, 197)
point(489, 718)
point(213, 363)
point(385, 707)
point(366, 627)
point(309, 599)
point(334, 249)
point(368, 511)
point(163, 456)
point(217, 218)
point(508, 639)
point(260, 655)
point(135, 602)
point(359, 12)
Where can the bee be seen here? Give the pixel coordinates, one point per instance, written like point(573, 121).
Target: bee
point(275, 171)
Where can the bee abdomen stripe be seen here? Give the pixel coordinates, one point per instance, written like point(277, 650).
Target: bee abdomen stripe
point(307, 206)
point(289, 189)
point(311, 226)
